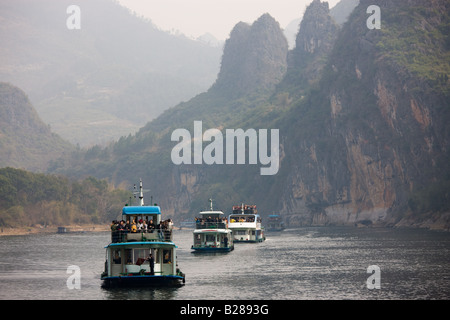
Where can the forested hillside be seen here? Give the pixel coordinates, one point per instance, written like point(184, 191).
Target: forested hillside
point(30, 199)
point(25, 140)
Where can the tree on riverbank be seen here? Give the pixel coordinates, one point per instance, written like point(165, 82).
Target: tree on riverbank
point(28, 199)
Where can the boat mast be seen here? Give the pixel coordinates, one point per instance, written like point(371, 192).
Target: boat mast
point(211, 204)
point(141, 194)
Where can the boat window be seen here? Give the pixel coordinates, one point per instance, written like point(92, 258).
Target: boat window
point(167, 256)
point(210, 237)
point(116, 257)
point(140, 255)
point(129, 256)
point(242, 218)
point(155, 253)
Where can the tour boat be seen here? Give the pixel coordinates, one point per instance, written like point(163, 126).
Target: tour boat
point(275, 223)
point(245, 224)
point(128, 260)
point(211, 232)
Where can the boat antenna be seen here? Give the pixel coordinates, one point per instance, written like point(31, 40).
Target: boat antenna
point(211, 204)
point(141, 193)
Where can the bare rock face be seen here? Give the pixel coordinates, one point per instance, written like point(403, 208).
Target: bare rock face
point(314, 42)
point(317, 30)
point(254, 58)
point(376, 151)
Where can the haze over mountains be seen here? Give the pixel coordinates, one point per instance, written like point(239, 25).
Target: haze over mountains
point(362, 115)
point(104, 80)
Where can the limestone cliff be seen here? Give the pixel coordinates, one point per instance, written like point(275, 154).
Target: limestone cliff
point(314, 42)
point(382, 150)
point(254, 58)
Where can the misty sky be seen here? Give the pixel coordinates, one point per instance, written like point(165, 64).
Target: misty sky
point(218, 17)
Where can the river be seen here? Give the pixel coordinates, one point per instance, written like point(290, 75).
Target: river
point(324, 263)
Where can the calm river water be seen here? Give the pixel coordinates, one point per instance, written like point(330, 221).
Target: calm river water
point(305, 263)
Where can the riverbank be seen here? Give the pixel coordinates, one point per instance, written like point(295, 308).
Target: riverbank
point(7, 231)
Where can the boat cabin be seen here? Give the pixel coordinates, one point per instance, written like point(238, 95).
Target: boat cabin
point(245, 224)
point(210, 220)
point(211, 232)
point(245, 209)
point(131, 259)
point(141, 224)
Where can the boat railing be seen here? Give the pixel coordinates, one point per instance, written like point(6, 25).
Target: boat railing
point(141, 235)
point(210, 225)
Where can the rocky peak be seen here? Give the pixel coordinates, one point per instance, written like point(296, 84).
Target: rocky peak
point(317, 32)
point(254, 57)
point(314, 42)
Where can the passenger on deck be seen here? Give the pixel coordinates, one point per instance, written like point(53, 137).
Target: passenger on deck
point(144, 226)
point(152, 264)
point(140, 225)
point(151, 226)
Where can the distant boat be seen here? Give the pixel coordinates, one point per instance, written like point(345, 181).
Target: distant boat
point(128, 260)
point(245, 223)
point(211, 232)
point(63, 230)
point(275, 223)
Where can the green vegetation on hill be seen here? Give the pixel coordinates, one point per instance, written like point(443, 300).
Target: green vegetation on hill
point(29, 199)
point(417, 38)
point(25, 141)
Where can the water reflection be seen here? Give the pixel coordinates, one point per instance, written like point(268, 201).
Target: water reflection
point(140, 293)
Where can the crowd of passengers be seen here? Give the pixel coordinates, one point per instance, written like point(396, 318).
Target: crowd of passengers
point(210, 220)
point(141, 226)
point(243, 219)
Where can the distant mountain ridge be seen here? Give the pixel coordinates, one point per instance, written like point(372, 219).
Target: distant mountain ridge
point(106, 79)
point(25, 141)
